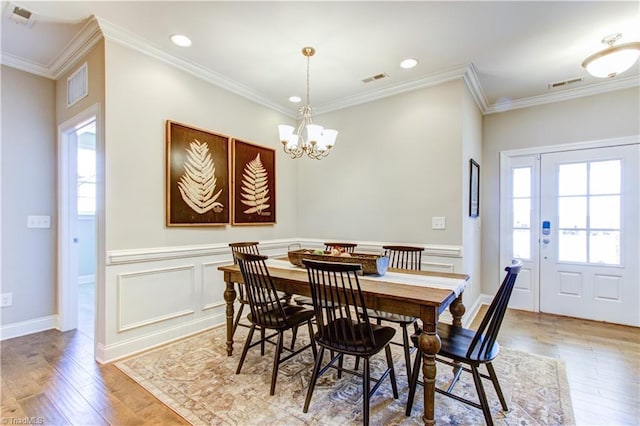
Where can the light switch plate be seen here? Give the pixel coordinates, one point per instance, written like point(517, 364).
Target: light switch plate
point(438, 222)
point(38, 221)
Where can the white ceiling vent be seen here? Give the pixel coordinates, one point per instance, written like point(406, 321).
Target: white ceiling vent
point(20, 15)
point(77, 85)
point(375, 77)
point(564, 82)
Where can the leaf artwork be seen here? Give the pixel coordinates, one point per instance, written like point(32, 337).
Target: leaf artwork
point(198, 183)
point(254, 188)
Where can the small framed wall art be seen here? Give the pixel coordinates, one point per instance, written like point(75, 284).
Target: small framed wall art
point(254, 184)
point(197, 177)
point(474, 189)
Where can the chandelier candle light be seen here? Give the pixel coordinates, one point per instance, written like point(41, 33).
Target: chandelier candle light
point(319, 140)
point(613, 60)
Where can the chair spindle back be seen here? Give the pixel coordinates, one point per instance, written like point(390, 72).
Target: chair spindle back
point(250, 247)
point(487, 333)
point(347, 247)
point(340, 309)
point(404, 257)
point(266, 308)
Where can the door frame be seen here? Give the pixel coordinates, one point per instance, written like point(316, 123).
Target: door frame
point(67, 286)
point(504, 257)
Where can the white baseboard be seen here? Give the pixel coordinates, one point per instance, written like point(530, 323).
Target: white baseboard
point(119, 350)
point(22, 328)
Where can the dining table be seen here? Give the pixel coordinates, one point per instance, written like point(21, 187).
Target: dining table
point(421, 294)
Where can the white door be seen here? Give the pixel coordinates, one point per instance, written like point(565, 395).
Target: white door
point(589, 234)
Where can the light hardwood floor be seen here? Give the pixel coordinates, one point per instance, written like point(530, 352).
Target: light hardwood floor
point(52, 378)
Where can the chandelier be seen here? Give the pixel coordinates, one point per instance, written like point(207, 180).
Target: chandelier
point(319, 140)
point(614, 59)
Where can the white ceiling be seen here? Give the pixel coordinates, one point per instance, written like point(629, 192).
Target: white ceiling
point(508, 52)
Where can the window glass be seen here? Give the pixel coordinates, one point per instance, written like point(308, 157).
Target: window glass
point(572, 246)
point(572, 212)
point(604, 247)
point(522, 243)
point(604, 177)
point(604, 212)
point(572, 179)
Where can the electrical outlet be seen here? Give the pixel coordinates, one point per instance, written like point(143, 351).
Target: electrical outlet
point(438, 222)
point(6, 299)
point(38, 221)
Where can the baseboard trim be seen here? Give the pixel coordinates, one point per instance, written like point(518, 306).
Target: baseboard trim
point(117, 351)
point(22, 328)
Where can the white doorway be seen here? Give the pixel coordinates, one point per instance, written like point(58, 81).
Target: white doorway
point(573, 217)
point(77, 234)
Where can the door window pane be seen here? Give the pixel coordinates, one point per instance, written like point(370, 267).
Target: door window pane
point(605, 247)
point(522, 213)
point(604, 212)
point(572, 179)
point(522, 182)
point(604, 177)
point(572, 246)
point(522, 243)
point(572, 212)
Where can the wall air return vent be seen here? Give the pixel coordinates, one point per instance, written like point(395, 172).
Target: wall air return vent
point(564, 82)
point(375, 77)
point(77, 85)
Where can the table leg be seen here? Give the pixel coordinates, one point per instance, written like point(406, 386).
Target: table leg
point(430, 345)
point(229, 297)
point(457, 310)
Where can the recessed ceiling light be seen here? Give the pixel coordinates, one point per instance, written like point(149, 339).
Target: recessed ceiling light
point(181, 40)
point(295, 99)
point(408, 63)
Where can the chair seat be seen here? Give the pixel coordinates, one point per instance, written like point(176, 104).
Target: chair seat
point(388, 316)
point(307, 301)
point(281, 295)
point(339, 335)
point(294, 315)
point(456, 342)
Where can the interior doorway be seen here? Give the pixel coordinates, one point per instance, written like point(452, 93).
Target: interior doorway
point(77, 236)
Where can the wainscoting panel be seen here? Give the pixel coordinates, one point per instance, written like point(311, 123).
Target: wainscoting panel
point(169, 293)
point(156, 295)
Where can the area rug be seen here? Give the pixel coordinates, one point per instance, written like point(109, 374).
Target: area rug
point(197, 379)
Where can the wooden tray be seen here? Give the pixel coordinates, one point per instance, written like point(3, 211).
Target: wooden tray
point(372, 264)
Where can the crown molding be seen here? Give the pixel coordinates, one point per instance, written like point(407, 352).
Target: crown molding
point(23, 65)
point(470, 78)
point(431, 80)
point(78, 47)
point(121, 36)
point(578, 92)
point(97, 28)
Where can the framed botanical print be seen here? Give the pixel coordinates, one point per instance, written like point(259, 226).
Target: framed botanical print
point(254, 184)
point(197, 177)
point(474, 189)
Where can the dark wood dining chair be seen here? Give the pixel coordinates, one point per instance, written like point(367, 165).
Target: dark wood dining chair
point(344, 327)
point(269, 313)
point(347, 247)
point(250, 247)
point(409, 258)
point(461, 346)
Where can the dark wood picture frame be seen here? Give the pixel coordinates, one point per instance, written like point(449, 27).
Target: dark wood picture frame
point(474, 188)
point(197, 176)
point(254, 184)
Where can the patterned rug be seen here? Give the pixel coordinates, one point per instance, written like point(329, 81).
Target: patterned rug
point(196, 379)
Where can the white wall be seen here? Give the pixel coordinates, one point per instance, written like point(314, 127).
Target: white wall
point(610, 115)
point(162, 283)
point(471, 226)
point(396, 164)
point(28, 188)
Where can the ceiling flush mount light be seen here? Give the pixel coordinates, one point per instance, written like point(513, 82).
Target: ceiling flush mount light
point(613, 60)
point(319, 140)
point(295, 99)
point(408, 63)
point(181, 40)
